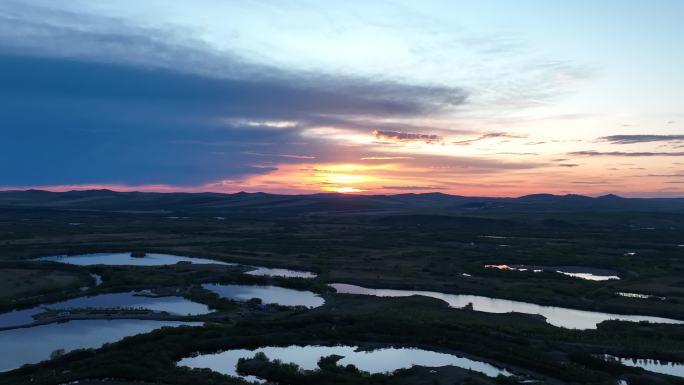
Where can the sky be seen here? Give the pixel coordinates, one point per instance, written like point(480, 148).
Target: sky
point(486, 98)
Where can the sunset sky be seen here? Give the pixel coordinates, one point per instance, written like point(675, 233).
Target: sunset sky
point(492, 98)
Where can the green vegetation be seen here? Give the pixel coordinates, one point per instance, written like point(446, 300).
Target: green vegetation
point(403, 249)
point(527, 346)
point(19, 283)
point(24, 284)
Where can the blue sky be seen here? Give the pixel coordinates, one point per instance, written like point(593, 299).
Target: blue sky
point(487, 97)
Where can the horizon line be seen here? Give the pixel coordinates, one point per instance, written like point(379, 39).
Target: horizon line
point(360, 194)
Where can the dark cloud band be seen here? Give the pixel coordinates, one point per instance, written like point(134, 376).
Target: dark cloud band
point(625, 154)
point(642, 138)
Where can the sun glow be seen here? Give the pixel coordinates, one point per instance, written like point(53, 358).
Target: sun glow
point(349, 178)
point(344, 178)
point(344, 189)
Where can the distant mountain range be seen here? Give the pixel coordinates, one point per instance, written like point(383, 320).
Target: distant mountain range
point(217, 203)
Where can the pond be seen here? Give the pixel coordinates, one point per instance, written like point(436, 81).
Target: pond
point(267, 294)
point(657, 366)
point(125, 259)
point(97, 278)
point(588, 273)
point(372, 361)
point(640, 296)
point(153, 259)
point(132, 300)
point(98, 281)
point(269, 272)
point(557, 316)
point(35, 344)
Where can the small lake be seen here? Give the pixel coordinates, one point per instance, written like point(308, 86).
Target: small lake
point(32, 345)
point(265, 271)
point(173, 305)
point(588, 273)
point(267, 294)
point(153, 259)
point(98, 281)
point(663, 367)
point(372, 361)
point(640, 296)
point(97, 278)
point(557, 316)
point(125, 259)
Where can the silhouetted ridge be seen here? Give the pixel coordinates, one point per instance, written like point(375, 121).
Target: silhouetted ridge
point(274, 204)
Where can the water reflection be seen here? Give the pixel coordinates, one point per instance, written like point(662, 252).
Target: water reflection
point(125, 259)
point(265, 271)
point(267, 294)
point(373, 361)
point(657, 366)
point(35, 344)
point(98, 281)
point(97, 278)
point(173, 305)
point(640, 296)
point(588, 273)
point(557, 316)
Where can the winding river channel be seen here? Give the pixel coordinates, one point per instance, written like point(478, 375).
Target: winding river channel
point(557, 316)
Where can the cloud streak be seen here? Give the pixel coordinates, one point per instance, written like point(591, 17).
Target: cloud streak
point(400, 136)
point(641, 138)
point(467, 142)
point(413, 188)
point(386, 158)
point(624, 154)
